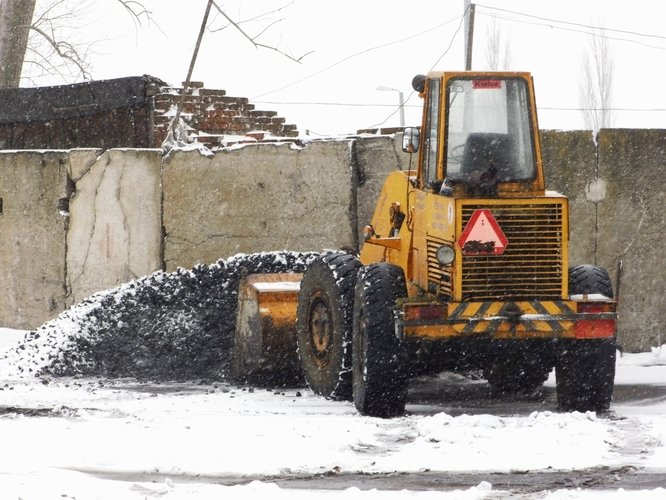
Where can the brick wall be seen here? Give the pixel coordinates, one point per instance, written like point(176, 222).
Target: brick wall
point(214, 116)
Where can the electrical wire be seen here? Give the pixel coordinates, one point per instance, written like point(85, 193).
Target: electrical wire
point(462, 18)
point(446, 51)
point(573, 30)
point(544, 21)
point(638, 110)
point(349, 104)
point(579, 25)
point(356, 54)
point(415, 106)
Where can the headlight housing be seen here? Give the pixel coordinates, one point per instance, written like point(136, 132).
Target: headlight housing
point(445, 255)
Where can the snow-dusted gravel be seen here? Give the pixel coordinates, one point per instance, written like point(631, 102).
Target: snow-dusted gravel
point(165, 326)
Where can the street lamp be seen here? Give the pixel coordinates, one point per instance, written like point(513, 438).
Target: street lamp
point(401, 100)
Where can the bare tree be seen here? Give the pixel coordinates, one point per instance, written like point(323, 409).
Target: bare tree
point(15, 20)
point(498, 49)
point(596, 87)
point(44, 37)
point(55, 47)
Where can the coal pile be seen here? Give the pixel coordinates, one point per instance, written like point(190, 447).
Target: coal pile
point(165, 326)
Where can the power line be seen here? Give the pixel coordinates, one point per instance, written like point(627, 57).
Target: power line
point(575, 27)
point(580, 25)
point(446, 51)
point(462, 18)
point(364, 51)
point(637, 110)
point(573, 30)
point(415, 106)
point(350, 104)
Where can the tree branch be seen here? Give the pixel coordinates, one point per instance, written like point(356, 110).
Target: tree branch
point(64, 50)
point(253, 39)
point(136, 10)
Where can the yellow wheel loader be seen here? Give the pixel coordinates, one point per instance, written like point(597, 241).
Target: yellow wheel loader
point(464, 266)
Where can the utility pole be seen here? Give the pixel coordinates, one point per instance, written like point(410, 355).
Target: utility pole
point(186, 83)
point(469, 33)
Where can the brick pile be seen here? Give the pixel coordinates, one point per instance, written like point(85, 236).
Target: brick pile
point(213, 116)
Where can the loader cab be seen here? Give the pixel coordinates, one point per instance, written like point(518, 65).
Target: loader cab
point(479, 135)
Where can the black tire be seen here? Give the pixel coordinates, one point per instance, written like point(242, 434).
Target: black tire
point(379, 356)
point(324, 324)
point(585, 372)
point(588, 279)
point(519, 369)
point(585, 368)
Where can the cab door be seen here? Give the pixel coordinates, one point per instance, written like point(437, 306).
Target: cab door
point(427, 184)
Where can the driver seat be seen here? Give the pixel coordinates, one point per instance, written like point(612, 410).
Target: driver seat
point(483, 150)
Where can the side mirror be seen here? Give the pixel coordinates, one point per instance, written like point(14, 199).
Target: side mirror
point(410, 139)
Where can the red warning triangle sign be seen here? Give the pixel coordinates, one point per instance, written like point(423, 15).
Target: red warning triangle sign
point(482, 235)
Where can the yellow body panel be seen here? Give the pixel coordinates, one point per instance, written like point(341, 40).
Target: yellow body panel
point(434, 218)
point(379, 248)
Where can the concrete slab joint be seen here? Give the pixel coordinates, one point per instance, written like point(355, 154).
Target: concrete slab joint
point(596, 190)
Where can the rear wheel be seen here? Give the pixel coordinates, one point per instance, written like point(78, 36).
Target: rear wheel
point(585, 368)
point(586, 279)
point(323, 328)
point(585, 371)
point(379, 356)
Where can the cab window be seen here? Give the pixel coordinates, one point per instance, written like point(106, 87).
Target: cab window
point(431, 138)
point(488, 127)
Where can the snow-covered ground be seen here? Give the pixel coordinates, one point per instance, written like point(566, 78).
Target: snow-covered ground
point(88, 438)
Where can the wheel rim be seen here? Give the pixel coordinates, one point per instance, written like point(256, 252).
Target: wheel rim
point(321, 334)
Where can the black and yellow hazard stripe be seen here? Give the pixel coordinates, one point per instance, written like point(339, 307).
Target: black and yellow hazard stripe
point(548, 316)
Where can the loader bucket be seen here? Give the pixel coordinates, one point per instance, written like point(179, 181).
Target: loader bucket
point(265, 336)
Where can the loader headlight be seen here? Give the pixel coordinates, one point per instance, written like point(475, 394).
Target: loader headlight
point(445, 255)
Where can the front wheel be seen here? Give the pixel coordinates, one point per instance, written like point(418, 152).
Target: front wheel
point(379, 356)
point(585, 368)
point(323, 324)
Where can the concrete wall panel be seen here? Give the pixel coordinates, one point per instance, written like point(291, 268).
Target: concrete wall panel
point(631, 227)
point(32, 237)
point(570, 165)
point(115, 225)
point(258, 198)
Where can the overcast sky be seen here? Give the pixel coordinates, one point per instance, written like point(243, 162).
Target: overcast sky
point(355, 46)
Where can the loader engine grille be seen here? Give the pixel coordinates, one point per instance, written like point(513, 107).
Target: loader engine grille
point(532, 263)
